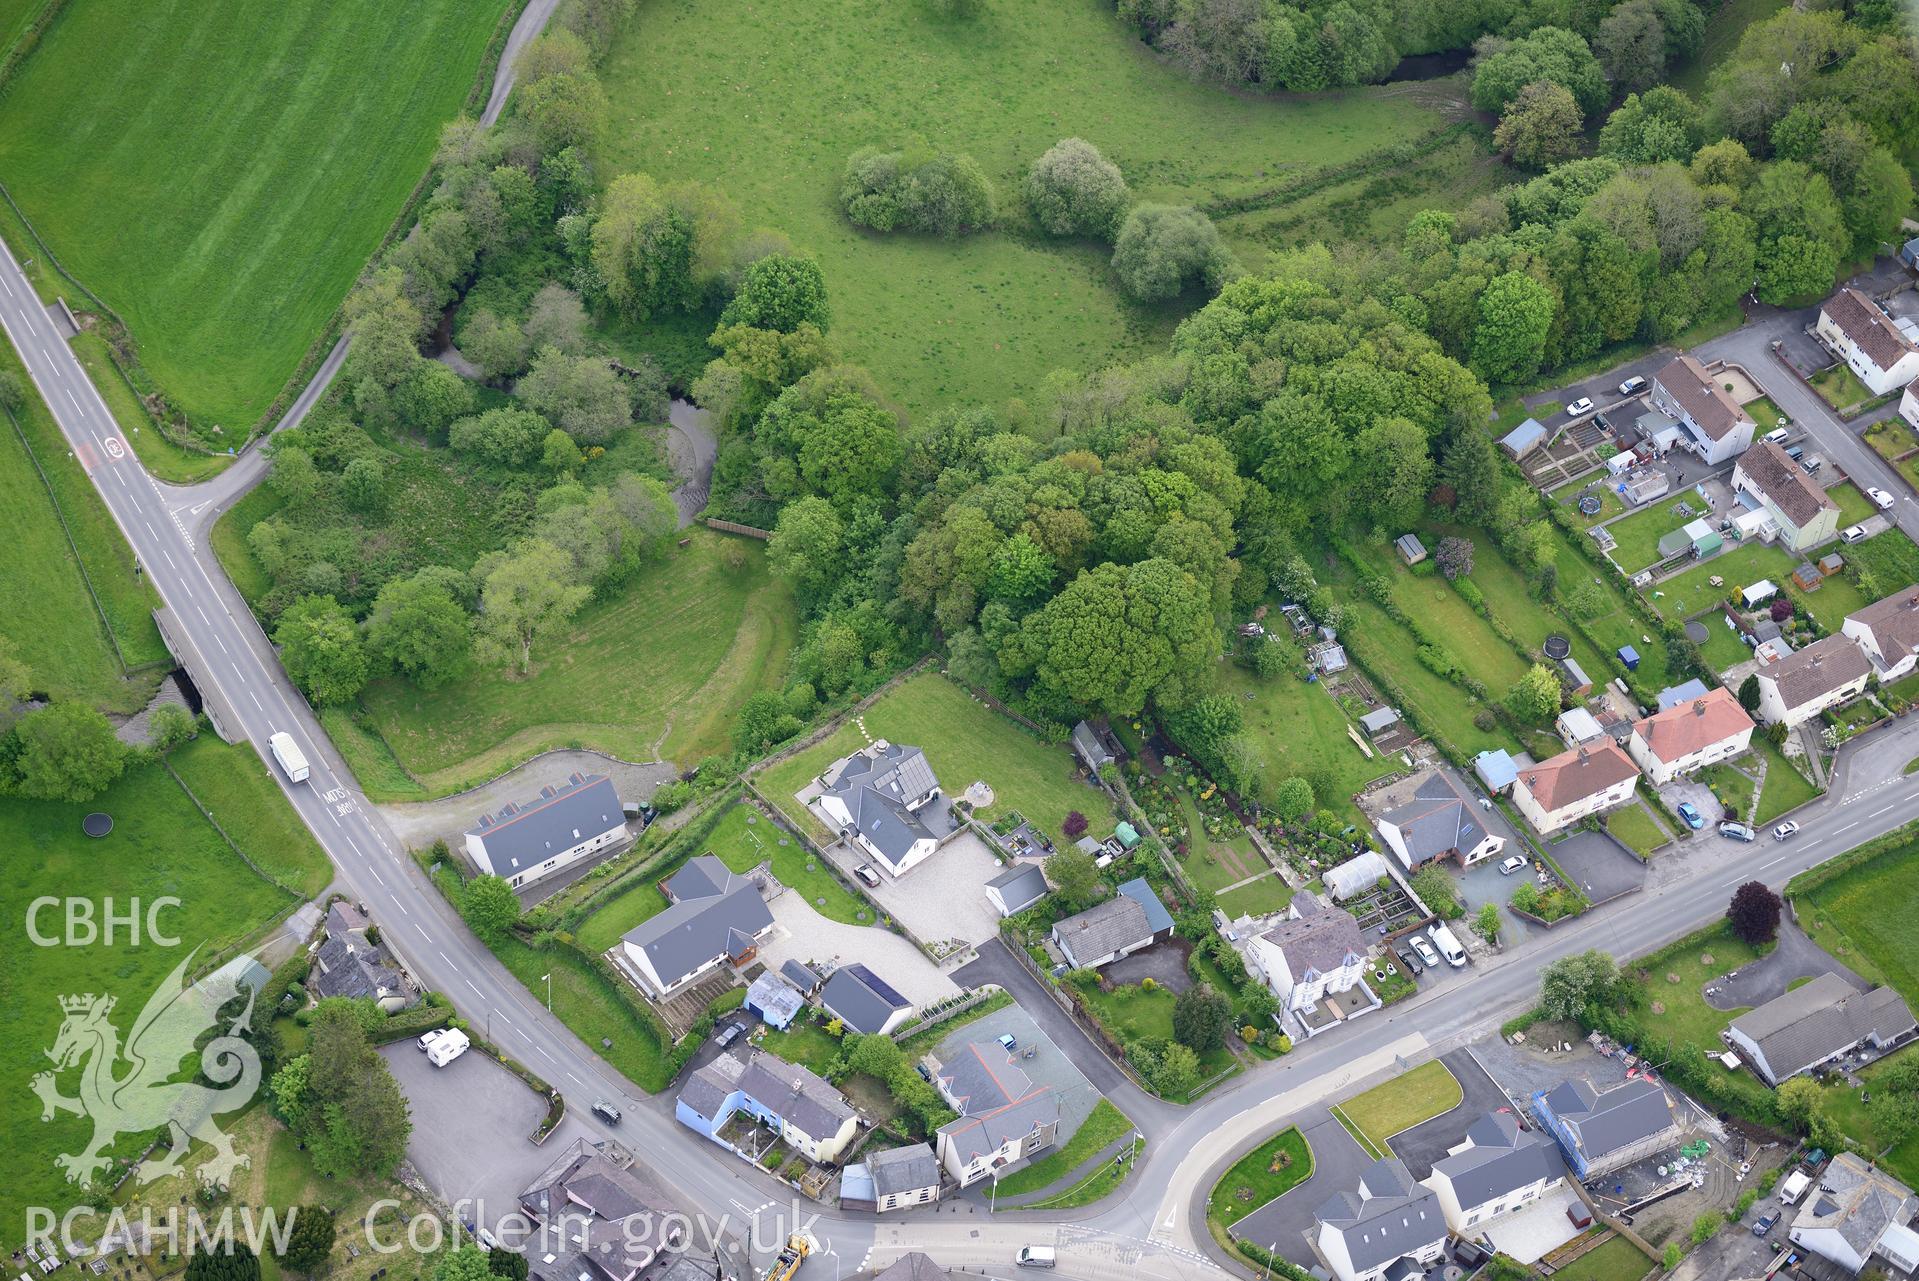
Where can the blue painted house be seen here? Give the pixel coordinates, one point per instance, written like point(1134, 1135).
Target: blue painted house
point(802, 1107)
point(1602, 1130)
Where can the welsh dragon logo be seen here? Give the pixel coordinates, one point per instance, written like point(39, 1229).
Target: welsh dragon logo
point(145, 1096)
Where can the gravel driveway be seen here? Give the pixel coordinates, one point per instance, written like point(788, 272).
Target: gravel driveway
point(802, 934)
point(419, 823)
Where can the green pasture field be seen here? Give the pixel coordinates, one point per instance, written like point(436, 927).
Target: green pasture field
point(768, 110)
point(221, 183)
point(232, 784)
point(160, 845)
point(964, 740)
point(1871, 907)
point(14, 17)
point(658, 672)
point(44, 607)
point(1299, 727)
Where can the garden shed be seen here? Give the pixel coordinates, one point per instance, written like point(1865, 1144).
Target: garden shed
point(1763, 590)
point(1523, 439)
point(1356, 876)
point(1630, 657)
point(1411, 550)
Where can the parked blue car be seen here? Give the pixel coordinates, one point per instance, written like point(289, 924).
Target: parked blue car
point(1691, 815)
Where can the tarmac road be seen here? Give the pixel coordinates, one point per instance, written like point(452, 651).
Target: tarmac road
point(1155, 1228)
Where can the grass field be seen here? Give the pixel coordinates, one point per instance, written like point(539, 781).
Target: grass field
point(223, 197)
point(1839, 387)
point(1616, 1260)
point(14, 17)
point(1636, 826)
point(1267, 894)
point(66, 642)
point(160, 845)
point(1688, 593)
point(1404, 1101)
point(1135, 1013)
point(769, 110)
point(1621, 623)
point(656, 673)
point(1854, 506)
point(1437, 604)
point(1685, 1016)
point(1298, 728)
point(1871, 908)
point(232, 784)
point(1253, 1180)
point(1847, 1107)
point(964, 740)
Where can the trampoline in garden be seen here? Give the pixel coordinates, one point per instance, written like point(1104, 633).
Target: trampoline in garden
point(1697, 632)
point(1590, 505)
point(1557, 647)
point(97, 824)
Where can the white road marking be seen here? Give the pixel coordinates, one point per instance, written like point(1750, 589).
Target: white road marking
point(378, 877)
point(222, 642)
point(1847, 828)
point(423, 933)
point(476, 991)
point(256, 700)
point(402, 907)
point(169, 555)
point(542, 1049)
point(1876, 813)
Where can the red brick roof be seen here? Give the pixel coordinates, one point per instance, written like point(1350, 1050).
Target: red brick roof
point(1575, 775)
point(1688, 727)
point(1870, 329)
point(1703, 399)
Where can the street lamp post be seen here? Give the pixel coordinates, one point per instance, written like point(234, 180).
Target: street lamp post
point(548, 976)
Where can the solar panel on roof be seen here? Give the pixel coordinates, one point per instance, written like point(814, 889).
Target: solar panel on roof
point(878, 986)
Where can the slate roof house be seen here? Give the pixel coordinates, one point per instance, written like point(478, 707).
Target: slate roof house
point(1315, 954)
point(1389, 1227)
point(1498, 1168)
point(602, 1219)
point(1017, 888)
point(1815, 1023)
point(1090, 746)
point(885, 800)
point(1824, 674)
point(1690, 736)
point(808, 1112)
point(1561, 790)
point(863, 1001)
point(1888, 631)
point(714, 917)
point(1874, 346)
point(1441, 821)
point(1857, 1215)
point(1003, 1116)
point(1132, 919)
point(348, 963)
point(527, 843)
point(1706, 420)
point(1805, 517)
point(1600, 1131)
point(894, 1179)
point(912, 1266)
point(1496, 769)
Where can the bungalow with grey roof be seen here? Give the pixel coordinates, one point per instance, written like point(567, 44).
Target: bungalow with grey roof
point(601, 1219)
point(863, 1002)
point(527, 843)
point(812, 1116)
point(884, 799)
point(1018, 888)
point(715, 917)
point(1816, 1023)
point(1132, 920)
point(1440, 821)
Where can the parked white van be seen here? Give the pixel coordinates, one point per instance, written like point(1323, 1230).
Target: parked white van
point(446, 1047)
point(1036, 1256)
point(1448, 946)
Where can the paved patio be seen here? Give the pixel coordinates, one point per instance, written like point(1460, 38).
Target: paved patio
point(943, 898)
point(1536, 1230)
point(802, 934)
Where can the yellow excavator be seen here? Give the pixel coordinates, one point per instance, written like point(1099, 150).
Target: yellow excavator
point(798, 1246)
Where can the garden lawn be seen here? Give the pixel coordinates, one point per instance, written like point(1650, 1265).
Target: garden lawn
point(224, 197)
point(1103, 1125)
point(1637, 536)
point(639, 901)
point(1732, 785)
point(657, 672)
point(1266, 895)
point(1839, 387)
point(1837, 596)
point(768, 110)
point(1444, 612)
point(1640, 831)
point(964, 740)
point(1616, 1260)
point(803, 1042)
point(160, 846)
point(1854, 506)
point(1406, 1100)
point(1891, 559)
point(1690, 592)
point(1251, 1181)
point(1687, 1017)
point(1300, 729)
point(1372, 636)
point(1785, 787)
point(746, 838)
point(586, 1001)
point(1135, 1013)
point(1622, 622)
point(1872, 907)
point(1215, 863)
point(66, 642)
point(1846, 1106)
point(1610, 503)
point(232, 784)
point(1504, 588)
point(1766, 413)
point(1723, 648)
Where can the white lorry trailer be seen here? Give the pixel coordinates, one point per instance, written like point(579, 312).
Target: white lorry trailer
point(291, 758)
